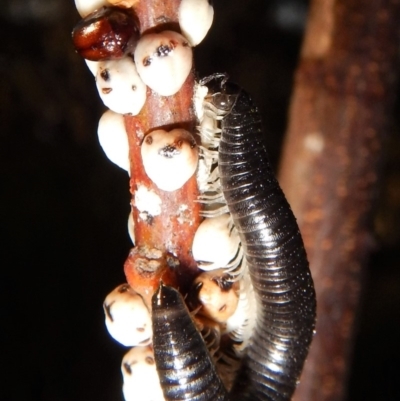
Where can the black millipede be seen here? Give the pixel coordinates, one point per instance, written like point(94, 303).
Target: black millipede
point(185, 368)
point(275, 256)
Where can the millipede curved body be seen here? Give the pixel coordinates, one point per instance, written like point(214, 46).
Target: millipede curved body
point(273, 248)
point(185, 368)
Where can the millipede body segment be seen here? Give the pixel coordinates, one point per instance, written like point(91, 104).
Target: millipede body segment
point(184, 365)
point(273, 249)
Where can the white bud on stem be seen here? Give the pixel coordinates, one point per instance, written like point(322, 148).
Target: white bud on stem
point(169, 158)
point(127, 318)
point(141, 381)
point(218, 296)
point(215, 243)
point(120, 87)
point(164, 61)
point(113, 139)
point(195, 19)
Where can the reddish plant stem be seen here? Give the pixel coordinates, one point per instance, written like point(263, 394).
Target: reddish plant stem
point(340, 113)
point(172, 231)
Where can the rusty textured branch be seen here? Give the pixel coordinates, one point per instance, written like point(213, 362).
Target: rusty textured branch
point(164, 233)
point(339, 117)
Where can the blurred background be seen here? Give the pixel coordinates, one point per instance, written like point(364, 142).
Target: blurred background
point(64, 206)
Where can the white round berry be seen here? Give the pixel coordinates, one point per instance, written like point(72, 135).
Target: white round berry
point(169, 158)
point(141, 382)
point(215, 243)
point(114, 139)
point(120, 87)
point(195, 19)
point(164, 61)
point(85, 7)
point(127, 318)
point(218, 296)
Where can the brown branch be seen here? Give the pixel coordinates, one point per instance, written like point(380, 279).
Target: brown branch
point(339, 116)
point(172, 231)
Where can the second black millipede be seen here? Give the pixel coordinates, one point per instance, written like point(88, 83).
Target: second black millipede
point(185, 368)
point(275, 256)
point(273, 248)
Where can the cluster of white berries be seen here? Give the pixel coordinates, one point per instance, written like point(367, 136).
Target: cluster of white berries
point(128, 322)
point(161, 62)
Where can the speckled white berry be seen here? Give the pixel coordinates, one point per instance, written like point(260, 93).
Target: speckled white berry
point(141, 381)
point(113, 139)
point(120, 87)
point(195, 19)
point(127, 318)
point(169, 158)
point(215, 244)
point(163, 61)
point(219, 297)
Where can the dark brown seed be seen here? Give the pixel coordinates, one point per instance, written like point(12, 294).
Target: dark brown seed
point(107, 34)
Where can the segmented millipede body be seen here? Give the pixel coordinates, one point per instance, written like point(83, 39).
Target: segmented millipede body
point(184, 365)
point(273, 248)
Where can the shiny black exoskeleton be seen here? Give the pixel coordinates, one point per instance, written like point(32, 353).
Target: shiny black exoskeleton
point(273, 248)
point(184, 365)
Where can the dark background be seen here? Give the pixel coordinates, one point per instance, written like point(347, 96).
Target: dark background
point(64, 206)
